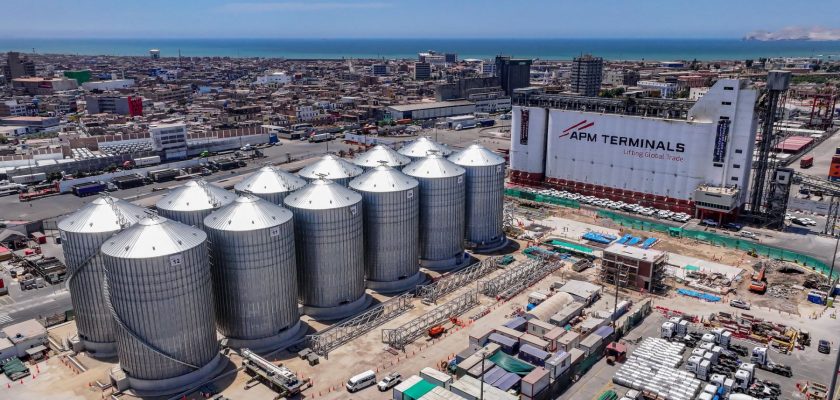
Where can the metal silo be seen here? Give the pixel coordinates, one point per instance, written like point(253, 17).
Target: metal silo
point(330, 249)
point(82, 234)
point(485, 196)
point(158, 282)
point(190, 203)
point(442, 193)
point(391, 209)
point(379, 154)
point(270, 183)
point(252, 252)
point(422, 146)
point(333, 168)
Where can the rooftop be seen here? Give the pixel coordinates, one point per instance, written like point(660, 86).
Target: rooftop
point(637, 253)
point(426, 106)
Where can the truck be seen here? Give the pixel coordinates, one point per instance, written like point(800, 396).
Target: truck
point(465, 125)
point(128, 181)
point(806, 162)
point(146, 161)
point(320, 137)
point(163, 175)
point(39, 191)
point(89, 188)
point(30, 178)
point(486, 122)
point(760, 358)
point(758, 283)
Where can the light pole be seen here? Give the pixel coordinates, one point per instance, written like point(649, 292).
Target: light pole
point(833, 387)
point(481, 378)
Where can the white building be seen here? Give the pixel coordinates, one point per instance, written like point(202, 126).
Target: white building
point(16, 109)
point(112, 84)
point(274, 78)
point(488, 68)
point(695, 94)
point(27, 337)
point(666, 163)
point(666, 90)
point(170, 139)
point(306, 113)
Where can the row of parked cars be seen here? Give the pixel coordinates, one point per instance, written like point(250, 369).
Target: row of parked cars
point(617, 205)
point(804, 221)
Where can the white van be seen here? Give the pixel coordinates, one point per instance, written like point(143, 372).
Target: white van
point(361, 381)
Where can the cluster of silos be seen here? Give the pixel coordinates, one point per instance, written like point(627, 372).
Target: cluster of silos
point(442, 211)
point(329, 248)
point(332, 168)
point(485, 176)
point(391, 209)
point(192, 202)
point(422, 147)
point(252, 248)
point(270, 183)
point(82, 234)
point(380, 155)
point(159, 286)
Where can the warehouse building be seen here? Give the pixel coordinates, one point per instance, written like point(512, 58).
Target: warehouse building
point(440, 109)
point(633, 267)
point(668, 154)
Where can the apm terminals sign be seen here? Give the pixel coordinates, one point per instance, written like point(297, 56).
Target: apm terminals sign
point(635, 147)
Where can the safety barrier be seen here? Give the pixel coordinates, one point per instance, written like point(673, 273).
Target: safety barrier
point(540, 198)
point(747, 245)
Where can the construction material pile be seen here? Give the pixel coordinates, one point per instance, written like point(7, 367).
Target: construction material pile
point(783, 291)
point(660, 351)
point(657, 380)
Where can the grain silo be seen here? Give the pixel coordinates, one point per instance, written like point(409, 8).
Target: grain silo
point(252, 249)
point(270, 183)
point(423, 146)
point(82, 234)
point(391, 209)
point(378, 155)
point(158, 282)
point(193, 201)
point(333, 168)
point(330, 249)
point(442, 194)
point(485, 197)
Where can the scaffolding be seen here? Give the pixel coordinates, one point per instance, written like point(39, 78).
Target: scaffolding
point(645, 106)
point(398, 338)
point(517, 279)
point(433, 292)
point(347, 330)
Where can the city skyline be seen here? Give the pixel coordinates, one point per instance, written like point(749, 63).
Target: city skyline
point(406, 19)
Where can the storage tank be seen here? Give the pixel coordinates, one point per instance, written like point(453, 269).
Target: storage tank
point(330, 249)
point(485, 197)
point(333, 168)
point(379, 154)
point(252, 253)
point(270, 183)
point(420, 148)
point(391, 211)
point(442, 196)
point(82, 234)
point(157, 278)
point(190, 203)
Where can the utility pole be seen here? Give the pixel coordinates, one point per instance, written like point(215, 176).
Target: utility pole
point(481, 378)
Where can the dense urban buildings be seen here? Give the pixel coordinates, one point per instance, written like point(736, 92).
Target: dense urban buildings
point(513, 73)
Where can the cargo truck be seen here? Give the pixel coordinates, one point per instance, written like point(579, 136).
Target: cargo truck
point(30, 178)
point(163, 175)
point(87, 189)
point(145, 161)
point(806, 162)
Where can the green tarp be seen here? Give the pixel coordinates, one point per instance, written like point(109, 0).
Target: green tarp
point(575, 248)
point(14, 369)
point(418, 390)
point(511, 364)
point(692, 268)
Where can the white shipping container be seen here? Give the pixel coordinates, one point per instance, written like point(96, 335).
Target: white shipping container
point(436, 377)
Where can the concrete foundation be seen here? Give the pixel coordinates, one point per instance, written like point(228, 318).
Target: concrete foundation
point(449, 264)
point(280, 341)
point(489, 247)
point(100, 351)
point(402, 285)
point(338, 312)
point(163, 387)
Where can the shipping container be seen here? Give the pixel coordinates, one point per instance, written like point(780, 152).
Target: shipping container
point(87, 189)
point(470, 389)
point(146, 161)
point(533, 355)
point(163, 175)
point(493, 375)
point(509, 381)
point(398, 393)
point(479, 335)
point(29, 178)
point(558, 364)
point(517, 324)
point(507, 344)
point(128, 181)
point(436, 377)
point(535, 382)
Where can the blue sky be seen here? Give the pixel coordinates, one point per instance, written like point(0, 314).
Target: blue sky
point(408, 18)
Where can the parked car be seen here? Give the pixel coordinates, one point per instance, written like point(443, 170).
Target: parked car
point(748, 234)
point(709, 222)
point(824, 346)
point(732, 226)
point(738, 303)
point(389, 381)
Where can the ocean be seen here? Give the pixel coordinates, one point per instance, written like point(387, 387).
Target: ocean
point(548, 49)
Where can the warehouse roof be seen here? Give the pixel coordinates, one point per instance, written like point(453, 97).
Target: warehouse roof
point(428, 106)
